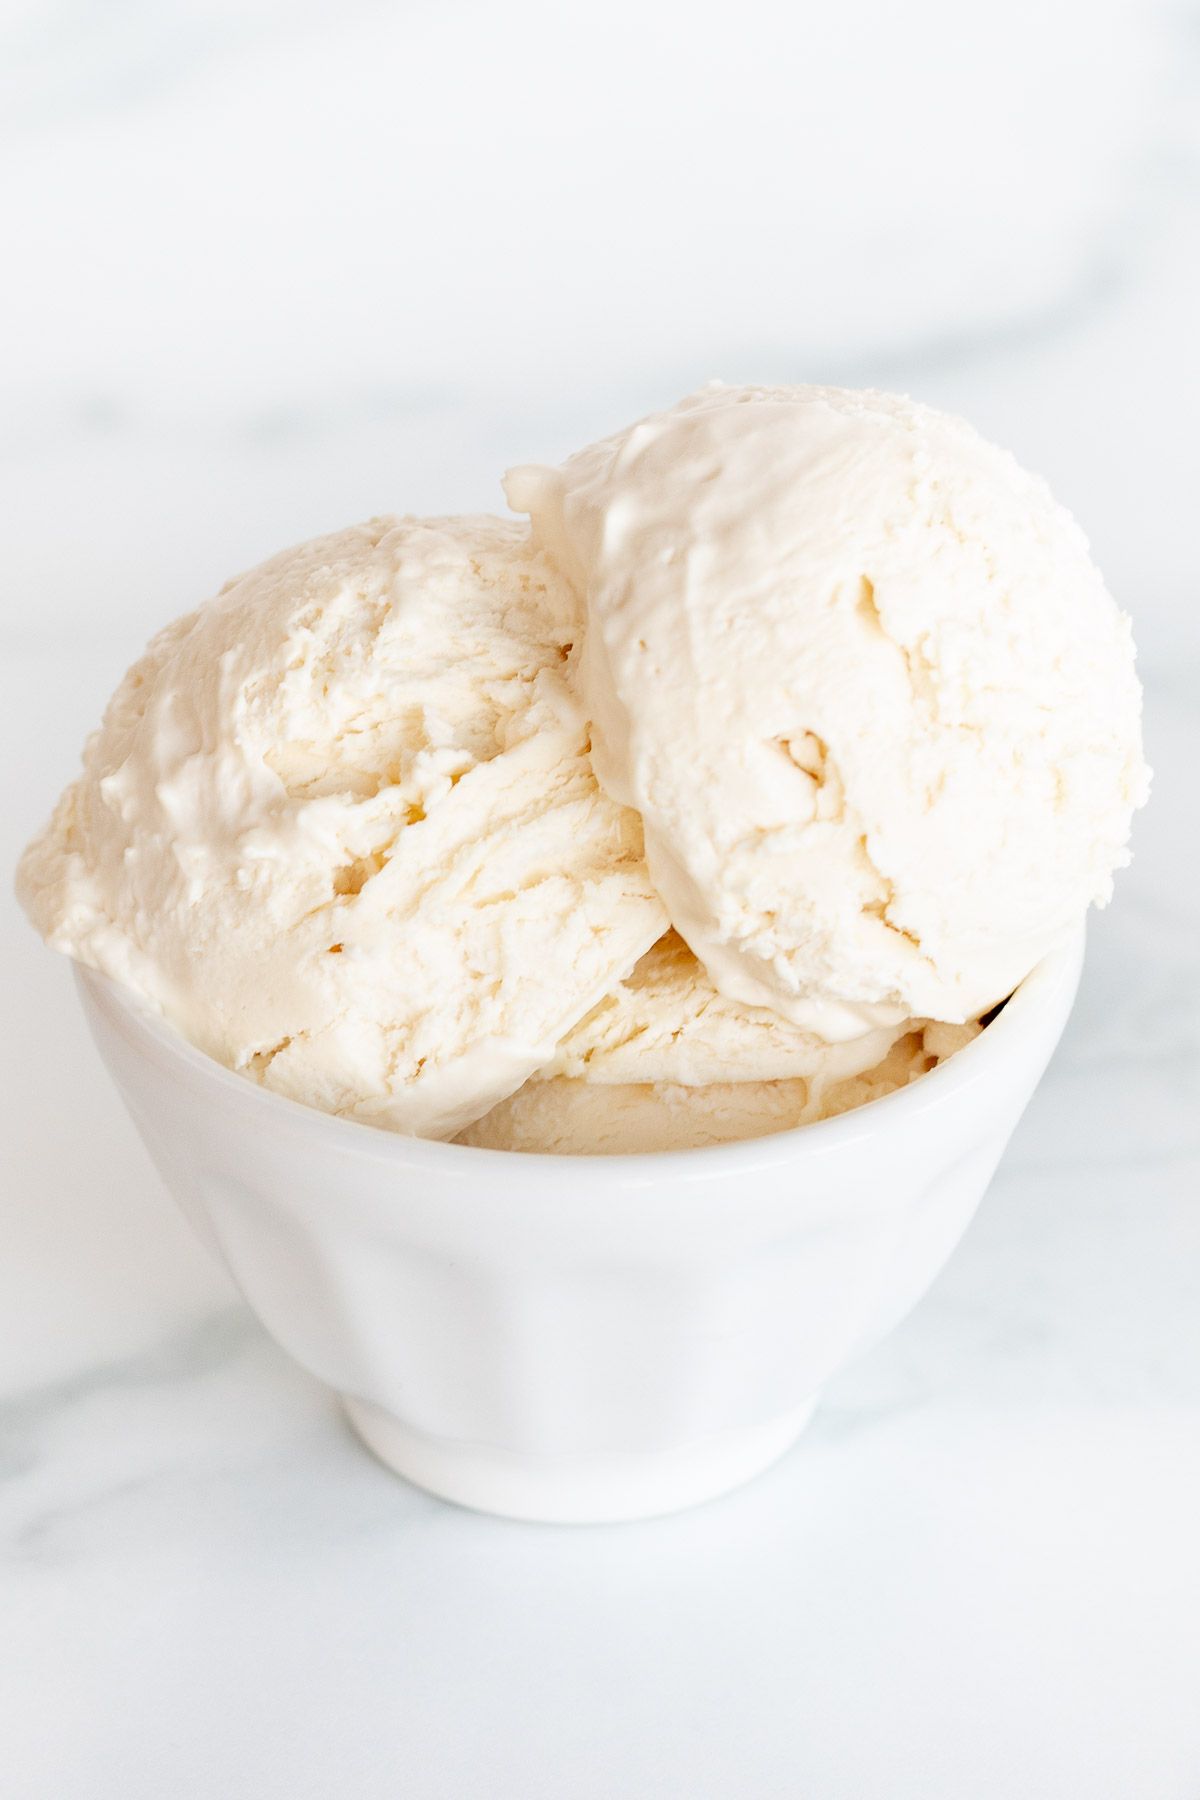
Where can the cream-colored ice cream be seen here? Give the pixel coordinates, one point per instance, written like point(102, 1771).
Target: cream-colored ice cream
point(666, 1022)
point(341, 828)
point(857, 673)
point(665, 1062)
point(577, 1116)
point(368, 828)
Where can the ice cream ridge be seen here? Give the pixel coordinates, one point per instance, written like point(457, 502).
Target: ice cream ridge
point(727, 792)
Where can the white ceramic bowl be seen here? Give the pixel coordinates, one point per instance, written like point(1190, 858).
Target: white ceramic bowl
point(579, 1338)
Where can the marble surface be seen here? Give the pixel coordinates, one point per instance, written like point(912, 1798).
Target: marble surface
point(280, 267)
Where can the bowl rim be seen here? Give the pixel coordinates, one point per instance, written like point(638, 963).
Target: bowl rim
point(1045, 996)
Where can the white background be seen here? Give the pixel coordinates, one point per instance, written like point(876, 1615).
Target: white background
point(271, 267)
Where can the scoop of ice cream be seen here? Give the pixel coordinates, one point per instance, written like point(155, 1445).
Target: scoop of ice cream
point(666, 1062)
point(575, 1116)
point(858, 674)
point(667, 1023)
point(340, 826)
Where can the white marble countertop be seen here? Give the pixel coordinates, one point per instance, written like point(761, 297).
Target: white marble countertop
point(282, 267)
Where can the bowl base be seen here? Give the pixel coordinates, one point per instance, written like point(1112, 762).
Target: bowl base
point(584, 1490)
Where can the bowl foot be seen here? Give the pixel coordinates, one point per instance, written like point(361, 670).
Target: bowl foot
point(583, 1490)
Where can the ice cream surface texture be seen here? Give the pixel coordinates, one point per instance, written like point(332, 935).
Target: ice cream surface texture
point(857, 673)
point(784, 739)
point(567, 1116)
point(665, 1062)
point(341, 828)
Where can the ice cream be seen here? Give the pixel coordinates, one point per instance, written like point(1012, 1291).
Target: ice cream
point(857, 673)
point(726, 795)
point(340, 827)
point(667, 1022)
point(573, 1117)
point(665, 1062)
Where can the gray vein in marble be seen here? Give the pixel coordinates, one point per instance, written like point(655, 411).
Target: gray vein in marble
point(1159, 190)
point(1106, 272)
point(188, 1355)
point(44, 421)
point(68, 62)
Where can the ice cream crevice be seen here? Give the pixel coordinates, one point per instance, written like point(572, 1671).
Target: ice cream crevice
point(353, 877)
point(260, 1062)
point(867, 607)
point(808, 752)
